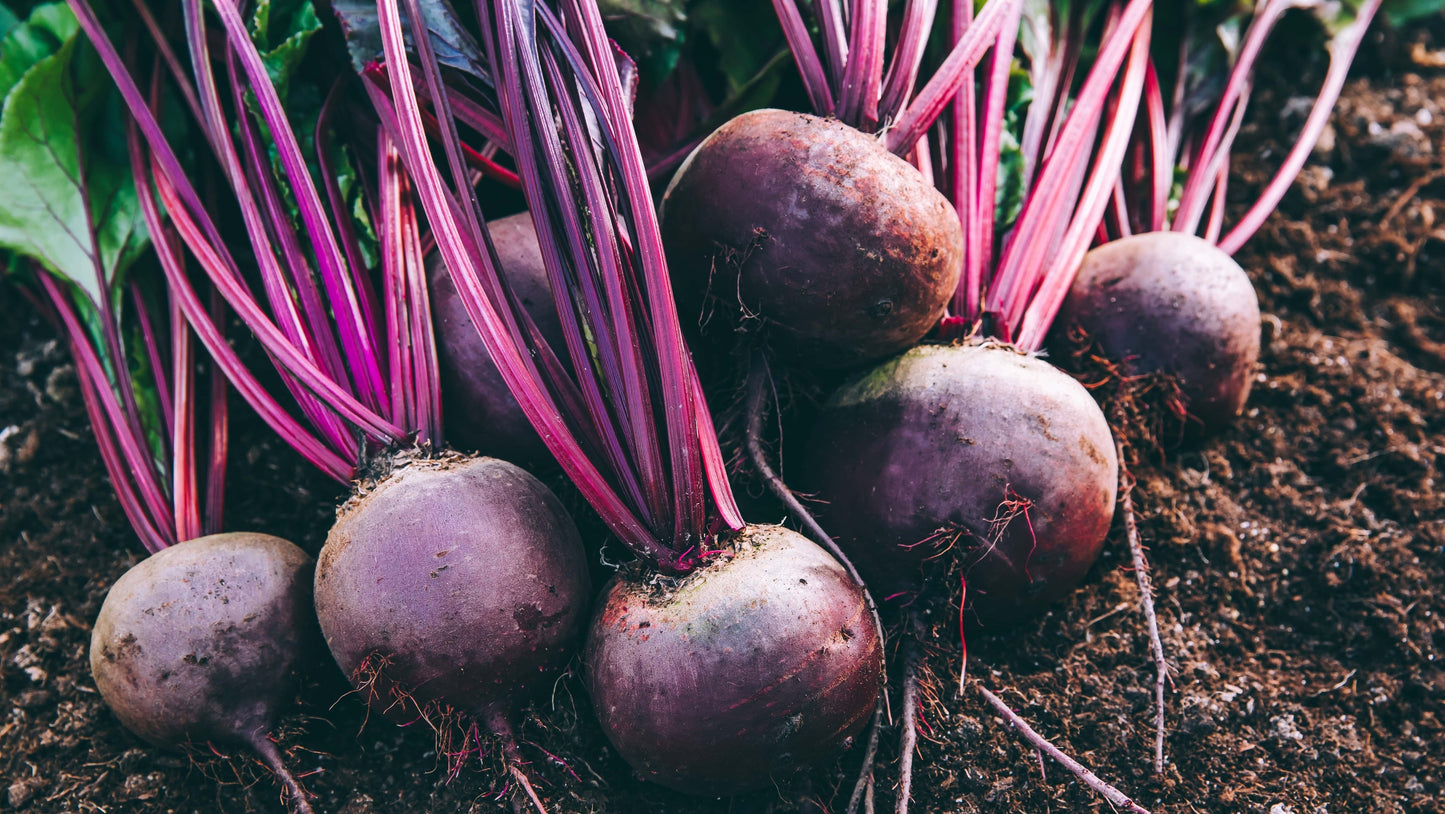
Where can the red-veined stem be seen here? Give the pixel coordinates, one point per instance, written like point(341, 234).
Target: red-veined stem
point(983, 165)
point(462, 259)
point(1187, 220)
point(120, 475)
point(292, 276)
point(288, 326)
point(1161, 174)
point(167, 248)
point(1046, 301)
point(591, 63)
point(835, 39)
point(183, 432)
point(219, 447)
point(154, 355)
point(800, 42)
point(926, 107)
point(595, 357)
point(1119, 209)
point(204, 240)
point(168, 55)
point(683, 395)
point(903, 72)
point(361, 294)
point(313, 215)
point(1022, 264)
point(863, 73)
point(1216, 209)
point(1199, 185)
point(963, 172)
point(1342, 52)
point(148, 506)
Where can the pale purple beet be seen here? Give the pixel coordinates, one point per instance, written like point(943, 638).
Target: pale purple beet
point(841, 252)
point(201, 642)
point(723, 680)
point(454, 583)
point(1171, 303)
point(480, 412)
point(993, 452)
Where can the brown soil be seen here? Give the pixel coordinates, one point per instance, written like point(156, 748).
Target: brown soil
point(1296, 554)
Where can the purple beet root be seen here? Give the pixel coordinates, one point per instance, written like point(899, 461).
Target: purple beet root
point(201, 642)
point(757, 663)
point(481, 413)
point(993, 453)
point(1171, 303)
point(453, 584)
point(840, 249)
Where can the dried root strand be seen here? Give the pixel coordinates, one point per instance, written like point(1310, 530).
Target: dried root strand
point(1117, 798)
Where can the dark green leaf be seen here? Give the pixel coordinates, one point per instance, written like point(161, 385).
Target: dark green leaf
point(744, 33)
point(1399, 12)
point(650, 31)
point(282, 30)
point(453, 44)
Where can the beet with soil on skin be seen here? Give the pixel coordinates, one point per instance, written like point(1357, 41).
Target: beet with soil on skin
point(454, 583)
point(842, 250)
point(726, 679)
point(201, 642)
point(1171, 303)
point(996, 453)
point(481, 413)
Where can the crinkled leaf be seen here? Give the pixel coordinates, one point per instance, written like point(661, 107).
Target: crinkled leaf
point(49, 27)
point(282, 30)
point(70, 202)
point(651, 31)
point(451, 43)
point(744, 33)
point(1009, 188)
point(8, 21)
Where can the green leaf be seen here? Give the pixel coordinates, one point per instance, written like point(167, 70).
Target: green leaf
point(745, 34)
point(452, 44)
point(282, 30)
point(650, 31)
point(70, 202)
point(49, 27)
point(1009, 189)
point(8, 21)
point(1399, 12)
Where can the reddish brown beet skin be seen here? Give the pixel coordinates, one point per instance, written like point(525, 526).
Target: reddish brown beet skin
point(481, 413)
point(967, 438)
point(764, 660)
point(1171, 303)
point(458, 583)
point(201, 641)
point(845, 252)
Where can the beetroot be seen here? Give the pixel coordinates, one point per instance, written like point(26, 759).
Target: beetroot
point(201, 642)
point(983, 448)
point(725, 679)
point(1172, 303)
point(842, 250)
point(455, 583)
point(481, 413)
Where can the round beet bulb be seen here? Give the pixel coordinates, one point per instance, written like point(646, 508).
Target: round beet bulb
point(840, 250)
point(717, 683)
point(481, 413)
point(992, 453)
point(201, 642)
point(1171, 303)
point(453, 583)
